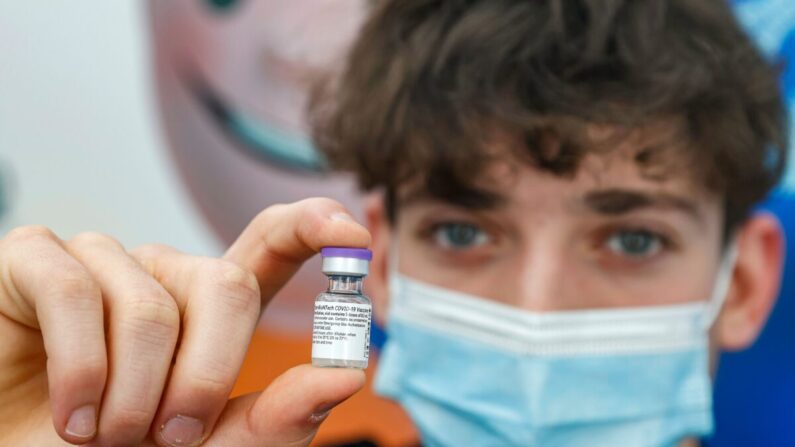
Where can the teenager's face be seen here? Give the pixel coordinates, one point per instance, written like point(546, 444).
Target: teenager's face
point(608, 237)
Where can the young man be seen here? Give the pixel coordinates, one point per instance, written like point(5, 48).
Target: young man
point(567, 208)
point(564, 240)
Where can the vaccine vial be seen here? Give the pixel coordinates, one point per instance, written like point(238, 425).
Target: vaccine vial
point(341, 327)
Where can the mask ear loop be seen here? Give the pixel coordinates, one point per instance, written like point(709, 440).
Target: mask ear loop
point(723, 282)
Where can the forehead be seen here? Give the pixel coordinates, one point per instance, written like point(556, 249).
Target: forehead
point(603, 182)
point(619, 168)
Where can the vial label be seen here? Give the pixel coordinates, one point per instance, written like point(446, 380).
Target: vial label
point(341, 331)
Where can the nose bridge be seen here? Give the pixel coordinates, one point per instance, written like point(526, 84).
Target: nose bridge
point(542, 276)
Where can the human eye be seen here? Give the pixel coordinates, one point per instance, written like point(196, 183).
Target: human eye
point(458, 236)
point(636, 244)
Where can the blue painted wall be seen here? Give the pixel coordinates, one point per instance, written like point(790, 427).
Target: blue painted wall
point(755, 389)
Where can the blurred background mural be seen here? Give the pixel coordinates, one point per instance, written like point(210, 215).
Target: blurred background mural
point(232, 79)
point(169, 121)
point(176, 121)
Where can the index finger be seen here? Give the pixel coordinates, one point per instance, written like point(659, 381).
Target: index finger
point(276, 242)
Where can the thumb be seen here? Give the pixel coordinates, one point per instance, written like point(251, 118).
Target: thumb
point(289, 412)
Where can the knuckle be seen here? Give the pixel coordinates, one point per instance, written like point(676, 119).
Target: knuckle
point(96, 239)
point(150, 251)
point(217, 384)
point(314, 211)
point(90, 371)
point(236, 285)
point(75, 284)
point(269, 213)
point(311, 223)
point(321, 203)
point(30, 232)
point(155, 318)
point(147, 256)
point(313, 226)
point(95, 370)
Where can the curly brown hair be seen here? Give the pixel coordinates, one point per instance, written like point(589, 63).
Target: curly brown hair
point(428, 81)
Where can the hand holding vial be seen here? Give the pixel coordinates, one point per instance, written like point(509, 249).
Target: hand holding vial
point(90, 334)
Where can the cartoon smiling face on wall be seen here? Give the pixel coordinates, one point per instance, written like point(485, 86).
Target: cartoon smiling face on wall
point(233, 78)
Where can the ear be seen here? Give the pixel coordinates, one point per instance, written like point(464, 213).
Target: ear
point(755, 284)
point(378, 278)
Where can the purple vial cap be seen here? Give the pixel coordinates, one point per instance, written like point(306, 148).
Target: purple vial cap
point(346, 252)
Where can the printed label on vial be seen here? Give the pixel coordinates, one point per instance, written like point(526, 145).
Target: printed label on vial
point(341, 331)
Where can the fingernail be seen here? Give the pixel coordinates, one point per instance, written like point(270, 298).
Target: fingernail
point(83, 422)
point(321, 413)
point(342, 216)
point(318, 416)
point(182, 431)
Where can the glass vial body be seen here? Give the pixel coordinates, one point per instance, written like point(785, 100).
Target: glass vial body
point(341, 327)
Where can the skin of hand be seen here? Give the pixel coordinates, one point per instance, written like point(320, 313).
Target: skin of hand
point(104, 346)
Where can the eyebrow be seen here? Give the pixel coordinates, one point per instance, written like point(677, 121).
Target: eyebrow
point(469, 198)
point(610, 202)
point(615, 202)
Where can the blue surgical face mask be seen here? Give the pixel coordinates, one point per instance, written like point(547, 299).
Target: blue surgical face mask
point(470, 371)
